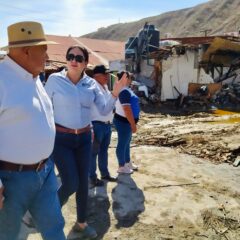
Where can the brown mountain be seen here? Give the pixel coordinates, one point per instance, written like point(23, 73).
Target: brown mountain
point(218, 15)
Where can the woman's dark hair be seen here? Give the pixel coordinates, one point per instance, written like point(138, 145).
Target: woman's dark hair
point(129, 75)
point(84, 50)
point(120, 74)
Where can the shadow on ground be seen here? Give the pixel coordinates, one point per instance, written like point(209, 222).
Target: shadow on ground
point(98, 213)
point(128, 201)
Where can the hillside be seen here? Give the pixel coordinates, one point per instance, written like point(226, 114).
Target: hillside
point(218, 15)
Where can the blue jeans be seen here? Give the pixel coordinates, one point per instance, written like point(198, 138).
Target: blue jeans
point(36, 192)
point(124, 133)
point(72, 154)
point(102, 138)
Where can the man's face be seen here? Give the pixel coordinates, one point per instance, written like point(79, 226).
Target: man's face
point(37, 57)
point(102, 78)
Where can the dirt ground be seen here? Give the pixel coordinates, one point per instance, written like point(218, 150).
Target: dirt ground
point(186, 186)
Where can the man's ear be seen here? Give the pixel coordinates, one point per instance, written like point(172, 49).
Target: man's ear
point(25, 50)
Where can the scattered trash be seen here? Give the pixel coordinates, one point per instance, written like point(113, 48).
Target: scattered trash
point(237, 162)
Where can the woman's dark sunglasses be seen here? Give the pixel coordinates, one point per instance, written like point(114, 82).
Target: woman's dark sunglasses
point(78, 58)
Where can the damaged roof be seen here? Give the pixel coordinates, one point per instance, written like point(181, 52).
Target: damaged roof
point(200, 40)
point(222, 52)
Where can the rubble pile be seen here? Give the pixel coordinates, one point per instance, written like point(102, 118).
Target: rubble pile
point(220, 222)
point(197, 135)
point(228, 96)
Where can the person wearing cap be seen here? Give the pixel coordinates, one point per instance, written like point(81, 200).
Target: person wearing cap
point(102, 131)
point(27, 134)
point(73, 95)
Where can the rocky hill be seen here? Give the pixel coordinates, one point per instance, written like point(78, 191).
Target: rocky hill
point(218, 16)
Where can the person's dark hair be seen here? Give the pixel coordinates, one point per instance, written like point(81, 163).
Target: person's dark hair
point(84, 50)
point(129, 75)
point(120, 74)
point(89, 72)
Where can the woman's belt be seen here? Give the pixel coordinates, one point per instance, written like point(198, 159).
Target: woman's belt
point(73, 131)
point(8, 166)
point(124, 119)
point(106, 122)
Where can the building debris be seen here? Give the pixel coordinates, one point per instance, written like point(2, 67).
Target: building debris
point(196, 136)
point(168, 68)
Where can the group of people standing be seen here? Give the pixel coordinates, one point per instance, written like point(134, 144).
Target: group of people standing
point(42, 126)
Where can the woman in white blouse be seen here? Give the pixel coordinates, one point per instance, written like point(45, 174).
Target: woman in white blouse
point(73, 94)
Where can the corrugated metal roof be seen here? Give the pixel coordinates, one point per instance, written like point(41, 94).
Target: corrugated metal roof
point(100, 51)
point(200, 40)
point(58, 52)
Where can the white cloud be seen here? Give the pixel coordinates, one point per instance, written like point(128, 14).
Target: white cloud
point(85, 16)
point(64, 17)
point(75, 17)
point(75, 20)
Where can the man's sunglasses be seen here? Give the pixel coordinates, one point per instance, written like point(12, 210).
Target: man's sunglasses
point(78, 58)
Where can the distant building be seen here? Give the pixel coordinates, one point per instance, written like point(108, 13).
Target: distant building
point(234, 34)
point(100, 51)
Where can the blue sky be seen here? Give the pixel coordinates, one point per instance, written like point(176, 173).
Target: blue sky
point(78, 17)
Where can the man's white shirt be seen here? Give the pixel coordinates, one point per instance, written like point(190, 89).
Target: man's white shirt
point(95, 114)
point(27, 129)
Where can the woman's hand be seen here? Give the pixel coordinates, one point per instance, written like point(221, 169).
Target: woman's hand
point(134, 128)
point(129, 115)
point(119, 85)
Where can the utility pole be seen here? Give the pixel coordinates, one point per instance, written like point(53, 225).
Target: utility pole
point(206, 31)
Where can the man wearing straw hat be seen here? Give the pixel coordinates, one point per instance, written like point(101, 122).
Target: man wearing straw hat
point(27, 133)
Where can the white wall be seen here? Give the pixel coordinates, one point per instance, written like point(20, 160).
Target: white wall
point(179, 71)
point(146, 74)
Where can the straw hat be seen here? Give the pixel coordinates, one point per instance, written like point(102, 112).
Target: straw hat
point(24, 34)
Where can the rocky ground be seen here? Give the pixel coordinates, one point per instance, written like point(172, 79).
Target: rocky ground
point(186, 186)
